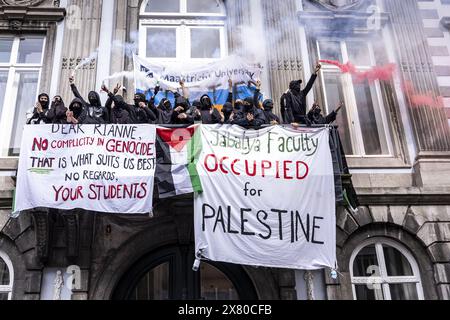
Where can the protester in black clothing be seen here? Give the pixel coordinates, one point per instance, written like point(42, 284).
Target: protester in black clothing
point(271, 118)
point(230, 109)
point(227, 111)
point(57, 113)
point(77, 113)
point(293, 102)
point(238, 106)
point(142, 113)
point(118, 109)
point(316, 117)
point(97, 114)
point(194, 110)
point(163, 111)
point(179, 114)
point(209, 114)
point(39, 113)
point(250, 116)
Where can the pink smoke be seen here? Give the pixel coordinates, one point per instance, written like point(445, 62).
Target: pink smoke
point(385, 72)
point(418, 99)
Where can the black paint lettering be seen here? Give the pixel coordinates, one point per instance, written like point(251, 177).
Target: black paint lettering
point(204, 217)
point(229, 222)
point(243, 221)
point(313, 229)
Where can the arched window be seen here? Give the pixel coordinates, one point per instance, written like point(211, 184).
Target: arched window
point(155, 284)
point(382, 269)
point(166, 274)
point(182, 30)
point(6, 277)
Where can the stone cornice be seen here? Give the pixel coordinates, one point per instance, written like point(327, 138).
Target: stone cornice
point(40, 14)
point(404, 196)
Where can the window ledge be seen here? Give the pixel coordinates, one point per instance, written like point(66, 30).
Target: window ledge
point(8, 164)
point(377, 163)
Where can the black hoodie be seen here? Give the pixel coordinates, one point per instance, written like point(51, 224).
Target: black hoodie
point(268, 112)
point(249, 108)
point(119, 114)
point(227, 111)
point(94, 107)
point(57, 113)
point(142, 115)
point(36, 117)
point(163, 112)
point(183, 103)
point(293, 103)
point(209, 114)
point(80, 113)
point(316, 117)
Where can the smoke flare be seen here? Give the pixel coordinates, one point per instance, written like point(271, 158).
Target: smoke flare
point(384, 73)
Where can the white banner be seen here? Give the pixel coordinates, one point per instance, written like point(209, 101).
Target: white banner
point(209, 79)
point(268, 198)
point(104, 168)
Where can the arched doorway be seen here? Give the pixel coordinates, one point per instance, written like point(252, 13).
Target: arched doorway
point(167, 274)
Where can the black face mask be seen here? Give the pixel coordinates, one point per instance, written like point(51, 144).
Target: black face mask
point(93, 99)
point(44, 104)
point(268, 107)
point(317, 111)
point(206, 103)
point(76, 109)
point(167, 105)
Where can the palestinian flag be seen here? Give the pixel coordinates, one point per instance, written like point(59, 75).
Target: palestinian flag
point(177, 154)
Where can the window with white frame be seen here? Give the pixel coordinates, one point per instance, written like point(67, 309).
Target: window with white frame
point(20, 68)
point(382, 269)
point(182, 30)
point(6, 277)
point(363, 123)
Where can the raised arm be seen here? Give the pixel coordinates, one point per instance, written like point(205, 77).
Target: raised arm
point(75, 91)
point(312, 79)
point(230, 91)
point(257, 94)
point(184, 90)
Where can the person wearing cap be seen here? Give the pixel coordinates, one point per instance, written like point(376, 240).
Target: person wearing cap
point(293, 102)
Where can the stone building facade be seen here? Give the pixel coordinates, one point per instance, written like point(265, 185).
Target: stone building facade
point(398, 241)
